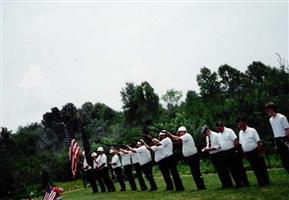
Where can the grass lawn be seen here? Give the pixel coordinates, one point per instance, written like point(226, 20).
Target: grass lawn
point(278, 189)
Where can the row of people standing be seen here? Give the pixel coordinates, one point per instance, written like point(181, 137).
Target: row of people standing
point(224, 148)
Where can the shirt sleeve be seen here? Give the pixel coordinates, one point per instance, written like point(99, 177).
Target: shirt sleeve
point(285, 123)
point(255, 135)
point(232, 135)
point(240, 137)
point(164, 142)
point(207, 141)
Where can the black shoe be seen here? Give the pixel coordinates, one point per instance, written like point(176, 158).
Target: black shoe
point(144, 189)
point(123, 189)
point(153, 189)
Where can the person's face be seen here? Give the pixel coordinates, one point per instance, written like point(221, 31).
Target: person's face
point(181, 133)
point(242, 126)
point(220, 129)
point(207, 132)
point(269, 112)
point(162, 137)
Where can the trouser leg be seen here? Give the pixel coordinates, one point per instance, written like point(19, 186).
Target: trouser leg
point(166, 174)
point(257, 163)
point(221, 170)
point(171, 162)
point(119, 176)
point(284, 155)
point(147, 169)
point(107, 181)
point(128, 173)
point(100, 181)
point(141, 181)
point(91, 179)
point(194, 164)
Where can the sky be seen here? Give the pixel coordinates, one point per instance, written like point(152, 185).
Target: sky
point(60, 52)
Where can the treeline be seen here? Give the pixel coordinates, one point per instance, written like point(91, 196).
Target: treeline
point(39, 152)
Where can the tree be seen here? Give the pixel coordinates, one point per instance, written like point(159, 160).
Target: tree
point(209, 84)
point(140, 105)
point(172, 98)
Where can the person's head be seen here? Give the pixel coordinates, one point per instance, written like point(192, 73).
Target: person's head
point(270, 109)
point(93, 155)
point(205, 130)
point(138, 144)
point(242, 123)
point(220, 127)
point(182, 131)
point(112, 152)
point(100, 150)
point(163, 134)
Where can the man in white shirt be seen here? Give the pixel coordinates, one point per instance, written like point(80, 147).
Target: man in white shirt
point(96, 172)
point(127, 166)
point(231, 157)
point(190, 154)
point(214, 149)
point(103, 170)
point(89, 174)
point(170, 162)
point(145, 161)
point(116, 166)
point(138, 170)
point(251, 145)
point(280, 126)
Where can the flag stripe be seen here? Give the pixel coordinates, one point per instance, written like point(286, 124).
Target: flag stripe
point(74, 151)
point(49, 195)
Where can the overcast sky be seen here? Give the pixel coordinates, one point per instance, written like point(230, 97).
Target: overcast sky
point(55, 53)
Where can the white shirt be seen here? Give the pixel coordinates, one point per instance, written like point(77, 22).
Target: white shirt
point(86, 166)
point(95, 163)
point(248, 139)
point(227, 139)
point(115, 163)
point(125, 158)
point(167, 145)
point(159, 152)
point(144, 155)
point(279, 124)
point(215, 142)
point(189, 147)
point(101, 159)
point(134, 157)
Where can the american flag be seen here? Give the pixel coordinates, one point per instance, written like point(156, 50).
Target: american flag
point(49, 195)
point(74, 155)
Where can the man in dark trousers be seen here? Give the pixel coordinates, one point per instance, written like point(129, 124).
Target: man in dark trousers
point(231, 158)
point(280, 126)
point(89, 174)
point(138, 170)
point(103, 170)
point(127, 166)
point(116, 166)
point(170, 161)
point(214, 149)
point(251, 145)
point(190, 154)
point(145, 161)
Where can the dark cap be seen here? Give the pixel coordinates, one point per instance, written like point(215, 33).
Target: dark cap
point(204, 128)
point(220, 123)
point(242, 119)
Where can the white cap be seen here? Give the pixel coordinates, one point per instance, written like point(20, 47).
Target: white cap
point(111, 151)
point(138, 143)
point(162, 133)
point(100, 149)
point(182, 128)
point(93, 154)
point(83, 153)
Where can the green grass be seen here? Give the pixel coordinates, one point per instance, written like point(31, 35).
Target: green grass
point(278, 189)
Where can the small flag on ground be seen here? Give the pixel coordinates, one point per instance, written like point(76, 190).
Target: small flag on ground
point(73, 156)
point(49, 195)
